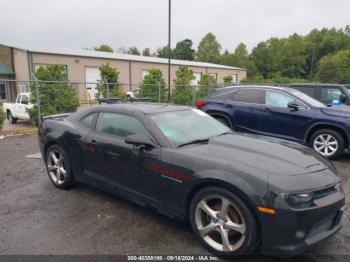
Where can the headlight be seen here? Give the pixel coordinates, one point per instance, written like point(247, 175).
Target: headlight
point(300, 200)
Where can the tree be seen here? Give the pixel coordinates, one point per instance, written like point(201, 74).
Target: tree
point(208, 49)
point(55, 98)
point(164, 52)
point(183, 91)
point(335, 68)
point(104, 48)
point(146, 52)
point(228, 80)
point(207, 83)
point(184, 51)
point(295, 57)
point(111, 76)
point(153, 86)
point(133, 51)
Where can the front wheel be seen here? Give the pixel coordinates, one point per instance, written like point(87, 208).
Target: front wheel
point(11, 118)
point(58, 167)
point(327, 142)
point(222, 222)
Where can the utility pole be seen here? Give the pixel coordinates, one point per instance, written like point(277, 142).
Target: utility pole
point(169, 42)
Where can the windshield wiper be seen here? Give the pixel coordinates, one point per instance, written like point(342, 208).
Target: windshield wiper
point(225, 133)
point(197, 141)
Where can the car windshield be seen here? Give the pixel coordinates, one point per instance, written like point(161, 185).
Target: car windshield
point(185, 126)
point(308, 99)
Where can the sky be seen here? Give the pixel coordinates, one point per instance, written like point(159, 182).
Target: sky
point(74, 24)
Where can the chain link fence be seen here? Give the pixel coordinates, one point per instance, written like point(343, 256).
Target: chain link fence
point(49, 97)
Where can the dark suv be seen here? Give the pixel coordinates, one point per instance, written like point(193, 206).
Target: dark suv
point(281, 112)
point(329, 94)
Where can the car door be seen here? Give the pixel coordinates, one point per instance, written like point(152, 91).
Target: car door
point(22, 108)
point(285, 122)
point(17, 107)
point(114, 164)
point(248, 111)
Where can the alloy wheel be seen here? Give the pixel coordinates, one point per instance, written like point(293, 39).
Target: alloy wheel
point(220, 223)
point(56, 167)
point(326, 144)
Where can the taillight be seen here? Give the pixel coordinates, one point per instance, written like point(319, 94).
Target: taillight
point(200, 103)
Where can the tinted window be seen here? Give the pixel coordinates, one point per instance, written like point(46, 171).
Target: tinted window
point(311, 91)
point(89, 120)
point(273, 98)
point(330, 94)
point(253, 96)
point(25, 100)
point(308, 99)
point(119, 125)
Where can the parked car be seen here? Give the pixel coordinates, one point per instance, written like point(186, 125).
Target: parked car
point(281, 112)
point(18, 110)
point(328, 94)
point(239, 192)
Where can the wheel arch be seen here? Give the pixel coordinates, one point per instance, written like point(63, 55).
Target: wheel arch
point(225, 116)
point(334, 127)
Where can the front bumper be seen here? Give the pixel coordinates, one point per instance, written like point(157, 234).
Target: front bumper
point(290, 231)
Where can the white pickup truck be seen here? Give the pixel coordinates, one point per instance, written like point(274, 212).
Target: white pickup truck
point(18, 110)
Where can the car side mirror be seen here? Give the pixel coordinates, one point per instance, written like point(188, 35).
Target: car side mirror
point(139, 141)
point(293, 105)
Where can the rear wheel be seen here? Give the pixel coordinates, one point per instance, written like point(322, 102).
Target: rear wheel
point(58, 167)
point(327, 142)
point(11, 118)
point(222, 222)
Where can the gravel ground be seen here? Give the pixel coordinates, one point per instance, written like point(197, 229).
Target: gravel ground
point(37, 219)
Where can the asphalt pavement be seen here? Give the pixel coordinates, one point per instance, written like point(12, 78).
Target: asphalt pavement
point(38, 219)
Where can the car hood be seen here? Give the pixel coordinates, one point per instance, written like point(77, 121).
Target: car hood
point(341, 111)
point(268, 155)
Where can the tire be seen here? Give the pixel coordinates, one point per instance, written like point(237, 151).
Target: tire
point(58, 167)
point(10, 117)
point(328, 143)
point(223, 121)
point(212, 225)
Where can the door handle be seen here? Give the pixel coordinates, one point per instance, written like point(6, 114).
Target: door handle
point(94, 142)
point(228, 106)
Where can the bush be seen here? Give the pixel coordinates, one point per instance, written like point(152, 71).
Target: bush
point(55, 98)
point(2, 118)
point(153, 86)
point(111, 75)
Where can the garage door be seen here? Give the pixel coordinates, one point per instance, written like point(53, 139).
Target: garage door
point(92, 75)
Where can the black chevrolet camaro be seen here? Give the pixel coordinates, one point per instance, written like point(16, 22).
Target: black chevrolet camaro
point(240, 193)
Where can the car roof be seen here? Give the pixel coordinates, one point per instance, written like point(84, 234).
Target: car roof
point(224, 91)
point(315, 85)
point(146, 108)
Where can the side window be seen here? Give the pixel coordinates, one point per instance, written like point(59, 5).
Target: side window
point(89, 120)
point(311, 91)
point(18, 100)
point(330, 94)
point(119, 125)
point(25, 100)
point(252, 96)
point(273, 98)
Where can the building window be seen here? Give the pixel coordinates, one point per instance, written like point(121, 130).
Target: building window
point(144, 73)
point(3, 94)
point(22, 88)
point(197, 78)
point(234, 79)
point(215, 75)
